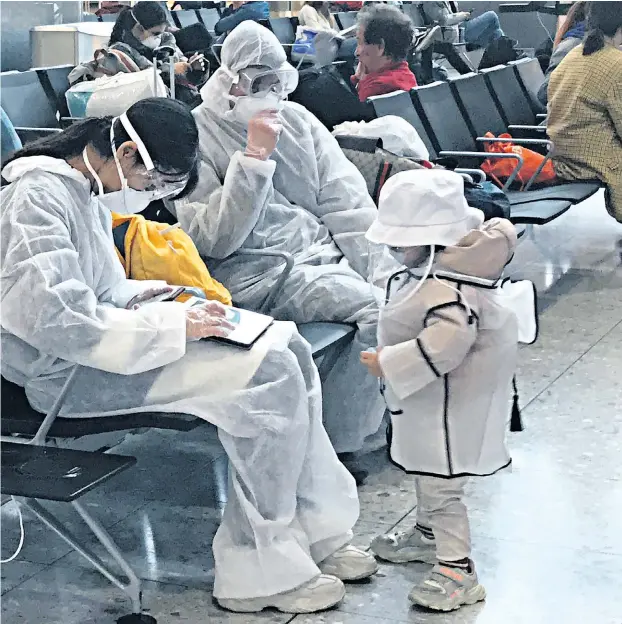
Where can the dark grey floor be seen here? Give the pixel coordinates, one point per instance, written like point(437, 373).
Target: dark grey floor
point(547, 536)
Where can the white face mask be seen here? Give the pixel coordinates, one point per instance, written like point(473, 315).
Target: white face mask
point(152, 42)
point(125, 201)
point(246, 107)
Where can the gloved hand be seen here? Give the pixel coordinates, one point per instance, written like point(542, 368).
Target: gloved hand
point(262, 135)
point(463, 15)
point(207, 321)
point(197, 62)
point(143, 297)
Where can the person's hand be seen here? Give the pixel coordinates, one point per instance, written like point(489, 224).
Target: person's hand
point(464, 15)
point(134, 302)
point(182, 68)
point(263, 133)
point(207, 321)
point(197, 62)
point(372, 362)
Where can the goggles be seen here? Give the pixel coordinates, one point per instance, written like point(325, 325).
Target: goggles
point(258, 81)
point(159, 184)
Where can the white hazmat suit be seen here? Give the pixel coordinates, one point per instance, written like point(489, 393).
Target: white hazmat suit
point(306, 199)
point(291, 502)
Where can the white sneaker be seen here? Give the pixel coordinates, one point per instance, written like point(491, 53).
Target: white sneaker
point(349, 564)
point(447, 589)
point(323, 592)
point(404, 547)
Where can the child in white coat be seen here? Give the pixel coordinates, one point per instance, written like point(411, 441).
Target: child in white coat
point(447, 356)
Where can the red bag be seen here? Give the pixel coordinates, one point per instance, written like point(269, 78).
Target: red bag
point(500, 169)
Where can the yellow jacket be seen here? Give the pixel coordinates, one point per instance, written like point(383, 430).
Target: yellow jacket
point(585, 120)
point(149, 250)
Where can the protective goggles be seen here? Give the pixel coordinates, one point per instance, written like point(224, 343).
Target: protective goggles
point(258, 81)
point(159, 184)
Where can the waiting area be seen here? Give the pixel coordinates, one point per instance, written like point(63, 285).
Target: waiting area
point(323, 326)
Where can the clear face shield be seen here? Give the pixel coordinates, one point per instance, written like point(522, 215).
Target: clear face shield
point(142, 185)
point(145, 178)
point(392, 268)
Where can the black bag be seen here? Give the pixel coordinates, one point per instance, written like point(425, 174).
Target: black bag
point(325, 93)
point(490, 199)
point(500, 52)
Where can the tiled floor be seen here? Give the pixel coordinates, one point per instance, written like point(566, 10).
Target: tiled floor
point(547, 536)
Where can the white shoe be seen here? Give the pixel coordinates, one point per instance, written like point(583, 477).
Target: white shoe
point(349, 564)
point(404, 547)
point(447, 589)
point(323, 592)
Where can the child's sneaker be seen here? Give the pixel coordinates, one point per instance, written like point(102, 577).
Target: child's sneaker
point(446, 589)
point(404, 547)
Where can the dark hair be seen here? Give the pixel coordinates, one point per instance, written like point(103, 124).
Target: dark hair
point(145, 13)
point(604, 20)
point(386, 25)
point(576, 14)
point(166, 127)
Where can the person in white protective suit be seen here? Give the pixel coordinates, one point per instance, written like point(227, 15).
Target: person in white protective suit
point(65, 300)
point(271, 177)
point(447, 355)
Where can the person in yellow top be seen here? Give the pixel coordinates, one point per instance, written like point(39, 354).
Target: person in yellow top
point(585, 106)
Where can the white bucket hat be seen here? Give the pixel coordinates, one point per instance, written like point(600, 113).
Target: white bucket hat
point(423, 207)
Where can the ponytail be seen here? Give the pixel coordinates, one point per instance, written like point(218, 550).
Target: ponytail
point(604, 20)
point(71, 142)
point(594, 41)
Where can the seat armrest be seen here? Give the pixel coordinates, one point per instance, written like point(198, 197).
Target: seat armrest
point(267, 305)
point(486, 155)
point(473, 172)
point(537, 128)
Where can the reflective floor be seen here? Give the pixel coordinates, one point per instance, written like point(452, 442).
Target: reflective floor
point(547, 536)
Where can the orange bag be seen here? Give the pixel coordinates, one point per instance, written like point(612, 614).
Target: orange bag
point(500, 169)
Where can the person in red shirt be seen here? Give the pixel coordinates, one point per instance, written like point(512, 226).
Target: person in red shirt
point(384, 37)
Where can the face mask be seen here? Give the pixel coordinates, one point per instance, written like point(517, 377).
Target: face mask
point(125, 201)
point(247, 107)
point(152, 42)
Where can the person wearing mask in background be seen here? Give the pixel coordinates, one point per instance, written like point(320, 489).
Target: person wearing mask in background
point(447, 355)
point(284, 538)
point(272, 178)
point(141, 29)
point(384, 38)
point(585, 106)
point(239, 12)
point(568, 37)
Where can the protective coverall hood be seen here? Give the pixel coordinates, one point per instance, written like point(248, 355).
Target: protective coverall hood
point(21, 166)
point(481, 253)
point(248, 45)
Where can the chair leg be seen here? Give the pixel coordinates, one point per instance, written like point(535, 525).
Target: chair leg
point(132, 588)
point(329, 360)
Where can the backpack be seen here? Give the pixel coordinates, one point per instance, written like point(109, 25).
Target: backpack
point(325, 93)
point(149, 250)
point(500, 52)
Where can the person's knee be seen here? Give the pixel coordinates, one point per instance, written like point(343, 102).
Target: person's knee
point(492, 20)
